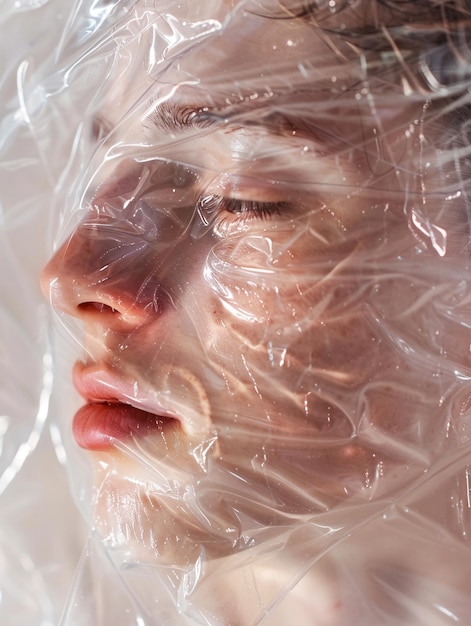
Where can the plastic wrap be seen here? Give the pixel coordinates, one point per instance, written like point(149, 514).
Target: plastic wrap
point(258, 212)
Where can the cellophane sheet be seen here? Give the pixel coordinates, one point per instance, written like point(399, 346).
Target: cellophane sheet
point(243, 395)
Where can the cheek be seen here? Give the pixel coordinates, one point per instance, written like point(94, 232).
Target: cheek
point(283, 277)
point(296, 327)
point(272, 294)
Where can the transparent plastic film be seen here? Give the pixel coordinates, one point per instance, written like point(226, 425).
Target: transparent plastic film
point(40, 532)
point(261, 272)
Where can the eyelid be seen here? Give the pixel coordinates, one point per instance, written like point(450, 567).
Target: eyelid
point(228, 215)
point(255, 207)
point(252, 191)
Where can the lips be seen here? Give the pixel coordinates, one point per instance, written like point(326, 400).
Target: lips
point(98, 425)
point(112, 413)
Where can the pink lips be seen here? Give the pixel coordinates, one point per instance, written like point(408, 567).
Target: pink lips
point(108, 415)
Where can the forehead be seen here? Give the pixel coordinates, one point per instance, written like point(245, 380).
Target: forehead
point(231, 51)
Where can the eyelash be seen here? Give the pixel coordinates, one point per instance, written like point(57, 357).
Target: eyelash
point(245, 209)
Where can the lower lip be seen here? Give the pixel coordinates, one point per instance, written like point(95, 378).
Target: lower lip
point(100, 425)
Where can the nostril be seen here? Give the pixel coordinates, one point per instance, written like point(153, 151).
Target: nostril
point(96, 307)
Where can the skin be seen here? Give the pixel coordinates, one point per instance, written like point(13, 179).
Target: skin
point(258, 280)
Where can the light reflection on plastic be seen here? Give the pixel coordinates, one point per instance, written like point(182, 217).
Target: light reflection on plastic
point(446, 612)
point(468, 490)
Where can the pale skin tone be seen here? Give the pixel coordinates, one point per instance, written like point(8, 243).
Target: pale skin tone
point(243, 274)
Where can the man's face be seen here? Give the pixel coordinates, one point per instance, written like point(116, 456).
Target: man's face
point(246, 274)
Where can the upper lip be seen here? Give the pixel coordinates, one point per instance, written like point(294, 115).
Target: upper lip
point(97, 383)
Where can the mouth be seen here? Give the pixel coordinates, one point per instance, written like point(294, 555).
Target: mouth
point(112, 414)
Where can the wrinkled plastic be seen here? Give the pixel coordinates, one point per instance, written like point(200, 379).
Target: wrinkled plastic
point(258, 213)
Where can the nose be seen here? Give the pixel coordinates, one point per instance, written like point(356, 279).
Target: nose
point(106, 272)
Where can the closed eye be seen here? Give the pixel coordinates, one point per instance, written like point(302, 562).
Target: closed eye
point(247, 209)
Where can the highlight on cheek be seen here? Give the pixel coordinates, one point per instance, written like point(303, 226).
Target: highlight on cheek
point(262, 276)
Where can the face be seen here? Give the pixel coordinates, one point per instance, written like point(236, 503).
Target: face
point(256, 265)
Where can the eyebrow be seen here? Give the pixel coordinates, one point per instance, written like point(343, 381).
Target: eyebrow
point(167, 118)
point(177, 118)
point(171, 117)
